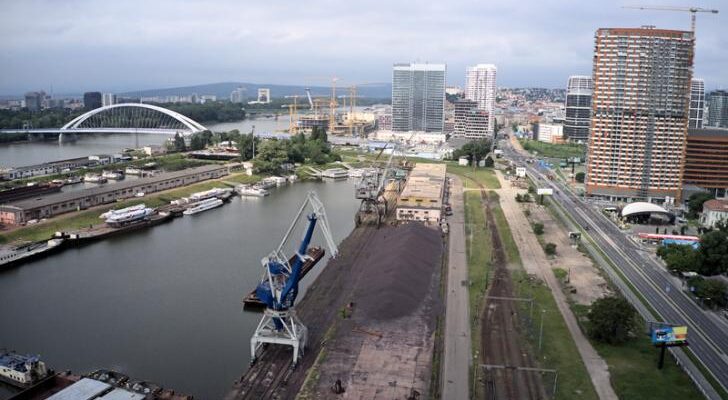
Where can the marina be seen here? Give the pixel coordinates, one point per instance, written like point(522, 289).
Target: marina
point(126, 291)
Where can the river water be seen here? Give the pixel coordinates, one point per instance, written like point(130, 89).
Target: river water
point(29, 153)
point(163, 304)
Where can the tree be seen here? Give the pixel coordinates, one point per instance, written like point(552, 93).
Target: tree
point(179, 143)
point(681, 258)
point(580, 176)
point(695, 203)
point(474, 150)
point(611, 319)
point(550, 248)
point(526, 197)
point(538, 229)
point(713, 292)
point(714, 252)
point(319, 133)
point(245, 145)
point(272, 155)
point(489, 162)
point(518, 198)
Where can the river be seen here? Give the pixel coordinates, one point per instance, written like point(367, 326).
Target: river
point(163, 304)
point(30, 153)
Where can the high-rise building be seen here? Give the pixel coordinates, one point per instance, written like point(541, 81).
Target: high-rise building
point(718, 109)
point(418, 97)
point(108, 99)
point(578, 108)
point(480, 87)
point(264, 95)
point(469, 121)
point(91, 100)
point(33, 101)
point(697, 103)
point(639, 113)
point(706, 162)
point(237, 95)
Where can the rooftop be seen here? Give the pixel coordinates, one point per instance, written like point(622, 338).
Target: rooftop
point(716, 205)
point(63, 197)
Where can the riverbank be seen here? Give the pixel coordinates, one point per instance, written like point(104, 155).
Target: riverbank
point(80, 219)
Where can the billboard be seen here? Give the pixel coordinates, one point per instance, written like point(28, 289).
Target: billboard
point(545, 191)
point(670, 335)
point(521, 172)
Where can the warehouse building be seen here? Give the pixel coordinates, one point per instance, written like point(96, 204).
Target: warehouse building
point(22, 211)
point(421, 199)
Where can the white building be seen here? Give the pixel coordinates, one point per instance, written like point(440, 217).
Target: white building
point(237, 95)
point(264, 95)
point(421, 199)
point(550, 133)
point(714, 211)
point(108, 99)
point(480, 87)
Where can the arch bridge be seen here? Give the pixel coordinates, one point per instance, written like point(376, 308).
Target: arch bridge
point(125, 118)
point(133, 117)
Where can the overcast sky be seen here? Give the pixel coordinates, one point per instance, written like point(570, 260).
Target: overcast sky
point(77, 46)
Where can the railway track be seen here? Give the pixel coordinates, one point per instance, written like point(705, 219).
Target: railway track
point(501, 342)
point(271, 377)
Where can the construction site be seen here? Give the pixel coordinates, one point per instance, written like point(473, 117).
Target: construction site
point(366, 327)
point(337, 114)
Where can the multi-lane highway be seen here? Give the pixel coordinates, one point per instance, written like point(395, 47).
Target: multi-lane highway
point(708, 338)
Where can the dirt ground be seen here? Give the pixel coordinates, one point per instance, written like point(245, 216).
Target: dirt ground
point(585, 284)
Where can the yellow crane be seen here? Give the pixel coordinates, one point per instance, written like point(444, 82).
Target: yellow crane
point(293, 114)
point(692, 10)
point(332, 106)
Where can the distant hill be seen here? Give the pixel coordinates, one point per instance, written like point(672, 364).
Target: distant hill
point(223, 89)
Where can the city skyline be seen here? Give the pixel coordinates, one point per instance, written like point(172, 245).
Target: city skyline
point(166, 45)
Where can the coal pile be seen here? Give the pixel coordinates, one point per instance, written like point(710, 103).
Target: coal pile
point(398, 274)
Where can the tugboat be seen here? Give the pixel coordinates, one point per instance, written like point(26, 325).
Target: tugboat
point(21, 370)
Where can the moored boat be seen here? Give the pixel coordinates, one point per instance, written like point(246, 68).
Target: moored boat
point(203, 205)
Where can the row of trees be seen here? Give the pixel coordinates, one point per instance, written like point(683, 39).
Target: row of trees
point(51, 118)
point(211, 111)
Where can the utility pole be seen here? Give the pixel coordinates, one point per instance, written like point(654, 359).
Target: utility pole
point(540, 331)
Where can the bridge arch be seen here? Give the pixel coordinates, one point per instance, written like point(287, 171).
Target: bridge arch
point(151, 117)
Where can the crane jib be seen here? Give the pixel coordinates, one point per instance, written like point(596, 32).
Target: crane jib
point(290, 290)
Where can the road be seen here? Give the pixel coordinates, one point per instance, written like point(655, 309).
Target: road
point(708, 340)
point(456, 359)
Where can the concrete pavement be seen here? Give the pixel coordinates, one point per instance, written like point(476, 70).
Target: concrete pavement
point(457, 355)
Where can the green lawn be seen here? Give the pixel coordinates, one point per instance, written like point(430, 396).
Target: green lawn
point(634, 373)
point(479, 253)
point(71, 221)
point(504, 230)
point(554, 150)
point(484, 176)
point(558, 350)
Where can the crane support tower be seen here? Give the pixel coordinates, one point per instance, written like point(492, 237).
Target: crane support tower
point(278, 288)
point(691, 10)
point(370, 189)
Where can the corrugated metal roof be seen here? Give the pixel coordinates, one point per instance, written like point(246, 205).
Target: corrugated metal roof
point(69, 196)
point(84, 389)
point(121, 394)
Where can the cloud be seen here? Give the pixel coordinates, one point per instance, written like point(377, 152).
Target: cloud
point(82, 45)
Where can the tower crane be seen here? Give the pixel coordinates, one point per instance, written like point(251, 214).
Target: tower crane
point(278, 288)
point(692, 10)
point(292, 114)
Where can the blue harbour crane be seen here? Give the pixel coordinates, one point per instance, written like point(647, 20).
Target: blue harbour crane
point(278, 288)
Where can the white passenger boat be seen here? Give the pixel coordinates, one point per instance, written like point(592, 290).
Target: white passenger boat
point(335, 173)
point(203, 205)
point(133, 171)
point(93, 178)
point(129, 217)
point(122, 210)
point(251, 191)
point(113, 175)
